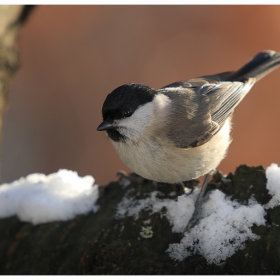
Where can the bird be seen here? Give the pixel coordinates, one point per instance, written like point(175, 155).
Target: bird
point(181, 131)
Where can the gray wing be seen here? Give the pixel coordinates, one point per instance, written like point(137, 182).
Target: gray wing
point(201, 107)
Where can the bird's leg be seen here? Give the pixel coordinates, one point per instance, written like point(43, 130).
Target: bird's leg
point(198, 204)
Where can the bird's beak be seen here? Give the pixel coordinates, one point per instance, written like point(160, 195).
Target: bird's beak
point(105, 126)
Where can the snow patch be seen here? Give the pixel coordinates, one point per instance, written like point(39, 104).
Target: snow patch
point(273, 185)
point(39, 198)
point(224, 226)
point(178, 211)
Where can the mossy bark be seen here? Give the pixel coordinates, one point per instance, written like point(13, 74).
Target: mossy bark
point(100, 243)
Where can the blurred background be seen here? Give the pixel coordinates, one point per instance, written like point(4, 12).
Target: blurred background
point(73, 56)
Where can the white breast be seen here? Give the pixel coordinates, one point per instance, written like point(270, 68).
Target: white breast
point(165, 163)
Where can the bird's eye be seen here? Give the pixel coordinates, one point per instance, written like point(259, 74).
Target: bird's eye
point(127, 113)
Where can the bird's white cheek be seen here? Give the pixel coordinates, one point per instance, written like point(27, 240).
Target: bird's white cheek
point(135, 125)
point(143, 117)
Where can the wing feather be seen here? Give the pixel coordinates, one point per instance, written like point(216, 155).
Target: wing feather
point(201, 105)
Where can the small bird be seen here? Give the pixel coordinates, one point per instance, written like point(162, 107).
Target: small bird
point(181, 131)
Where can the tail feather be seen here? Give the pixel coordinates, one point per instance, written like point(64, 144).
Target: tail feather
point(258, 67)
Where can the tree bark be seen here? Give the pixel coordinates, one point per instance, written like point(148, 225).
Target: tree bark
point(100, 243)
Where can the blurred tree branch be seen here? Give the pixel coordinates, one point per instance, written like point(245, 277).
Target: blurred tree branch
point(11, 19)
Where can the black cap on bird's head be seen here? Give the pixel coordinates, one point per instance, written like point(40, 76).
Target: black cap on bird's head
point(124, 100)
point(126, 97)
point(121, 103)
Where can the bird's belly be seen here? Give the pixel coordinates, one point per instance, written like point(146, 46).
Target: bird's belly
point(172, 165)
